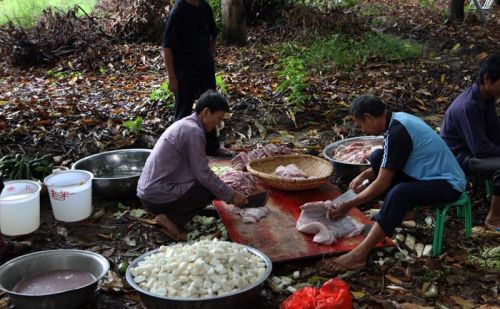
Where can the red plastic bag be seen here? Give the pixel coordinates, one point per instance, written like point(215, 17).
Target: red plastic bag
point(304, 298)
point(334, 294)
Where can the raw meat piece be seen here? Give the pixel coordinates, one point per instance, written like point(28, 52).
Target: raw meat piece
point(313, 220)
point(241, 160)
point(242, 182)
point(290, 171)
point(355, 153)
point(252, 215)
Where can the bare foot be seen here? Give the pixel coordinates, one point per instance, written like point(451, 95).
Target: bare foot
point(170, 228)
point(492, 222)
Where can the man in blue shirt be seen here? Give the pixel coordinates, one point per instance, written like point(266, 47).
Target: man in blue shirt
point(472, 131)
point(414, 168)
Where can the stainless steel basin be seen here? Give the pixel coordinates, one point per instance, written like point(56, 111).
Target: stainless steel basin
point(244, 298)
point(15, 270)
point(116, 172)
point(347, 171)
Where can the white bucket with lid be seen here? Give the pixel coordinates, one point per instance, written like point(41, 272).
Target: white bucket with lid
point(70, 194)
point(20, 207)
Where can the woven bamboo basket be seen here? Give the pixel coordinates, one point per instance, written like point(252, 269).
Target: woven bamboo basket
point(318, 170)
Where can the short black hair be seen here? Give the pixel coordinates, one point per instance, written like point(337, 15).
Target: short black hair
point(490, 68)
point(367, 104)
point(212, 100)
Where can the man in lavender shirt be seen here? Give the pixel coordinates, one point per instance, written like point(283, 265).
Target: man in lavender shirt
point(177, 183)
point(472, 131)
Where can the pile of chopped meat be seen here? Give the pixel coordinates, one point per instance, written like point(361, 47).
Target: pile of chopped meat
point(242, 182)
point(355, 153)
point(252, 215)
point(313, 220)
point(269, 150)
point(290, 171)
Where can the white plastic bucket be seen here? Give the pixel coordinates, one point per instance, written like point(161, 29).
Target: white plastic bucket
point(70, 194)
point(20, 207)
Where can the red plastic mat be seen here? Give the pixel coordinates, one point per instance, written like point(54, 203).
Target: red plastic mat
point(276, 235)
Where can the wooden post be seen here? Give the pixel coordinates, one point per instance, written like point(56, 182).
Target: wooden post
point(235, 22)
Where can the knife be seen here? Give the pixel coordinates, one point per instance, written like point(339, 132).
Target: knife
point(348, 195)
point(257, 200)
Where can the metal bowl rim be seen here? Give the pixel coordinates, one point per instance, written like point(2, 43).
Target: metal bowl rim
point(130, 280)
point(73, 166)
point(335, 145)
point(99, 257)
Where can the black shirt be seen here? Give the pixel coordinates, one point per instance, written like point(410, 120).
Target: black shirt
point(397, 144)
point(188, 32)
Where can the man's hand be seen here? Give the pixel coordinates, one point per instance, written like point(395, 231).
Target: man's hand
point(239, 199)
point(173, 84)
point(339, 211)
point(356, 182)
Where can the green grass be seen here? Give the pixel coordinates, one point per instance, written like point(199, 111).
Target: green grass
point(25, 12)
point(345, 52)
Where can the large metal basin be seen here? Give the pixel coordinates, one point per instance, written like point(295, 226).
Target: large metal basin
point(116, 173)
point(15, 270)
point(245, 298)
point(345, 172)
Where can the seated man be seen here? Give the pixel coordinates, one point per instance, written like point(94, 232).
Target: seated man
point(472, 131)
point(177, 183)
point(414, 168)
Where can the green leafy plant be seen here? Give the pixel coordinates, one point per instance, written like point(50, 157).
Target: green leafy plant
point(103, 71)
point(427, 3)
point(134, 126)
point(217, 9)
point(163, 95)
point(346, 52)
point(56, 74)
point(220, 83)
point(23, 167)
point(25, 12)
point(293, 82)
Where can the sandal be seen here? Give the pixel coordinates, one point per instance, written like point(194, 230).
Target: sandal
point(491, 227)
point(335, 268)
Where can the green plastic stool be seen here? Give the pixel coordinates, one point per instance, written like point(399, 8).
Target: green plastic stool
point(489, 188)
point(464, 210)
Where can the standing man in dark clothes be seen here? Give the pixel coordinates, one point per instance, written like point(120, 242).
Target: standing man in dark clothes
point(414, 168)
point(472, 131)
point(188, 50)
point(176, 182)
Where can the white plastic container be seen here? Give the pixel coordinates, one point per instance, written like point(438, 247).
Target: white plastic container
point(20, 207)
point(70, 194)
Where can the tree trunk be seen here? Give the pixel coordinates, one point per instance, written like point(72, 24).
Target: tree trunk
point(235, 22)
point(456, 10)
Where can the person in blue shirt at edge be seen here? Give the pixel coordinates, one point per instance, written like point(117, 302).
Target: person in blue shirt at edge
point(415, 167)
point(472, 131)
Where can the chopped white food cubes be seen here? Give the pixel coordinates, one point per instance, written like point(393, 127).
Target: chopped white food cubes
point(201, 269)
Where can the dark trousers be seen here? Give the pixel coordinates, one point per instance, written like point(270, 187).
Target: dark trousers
point(486, 168)
point(191, 86)
point(184, 209)
point(406, 192)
